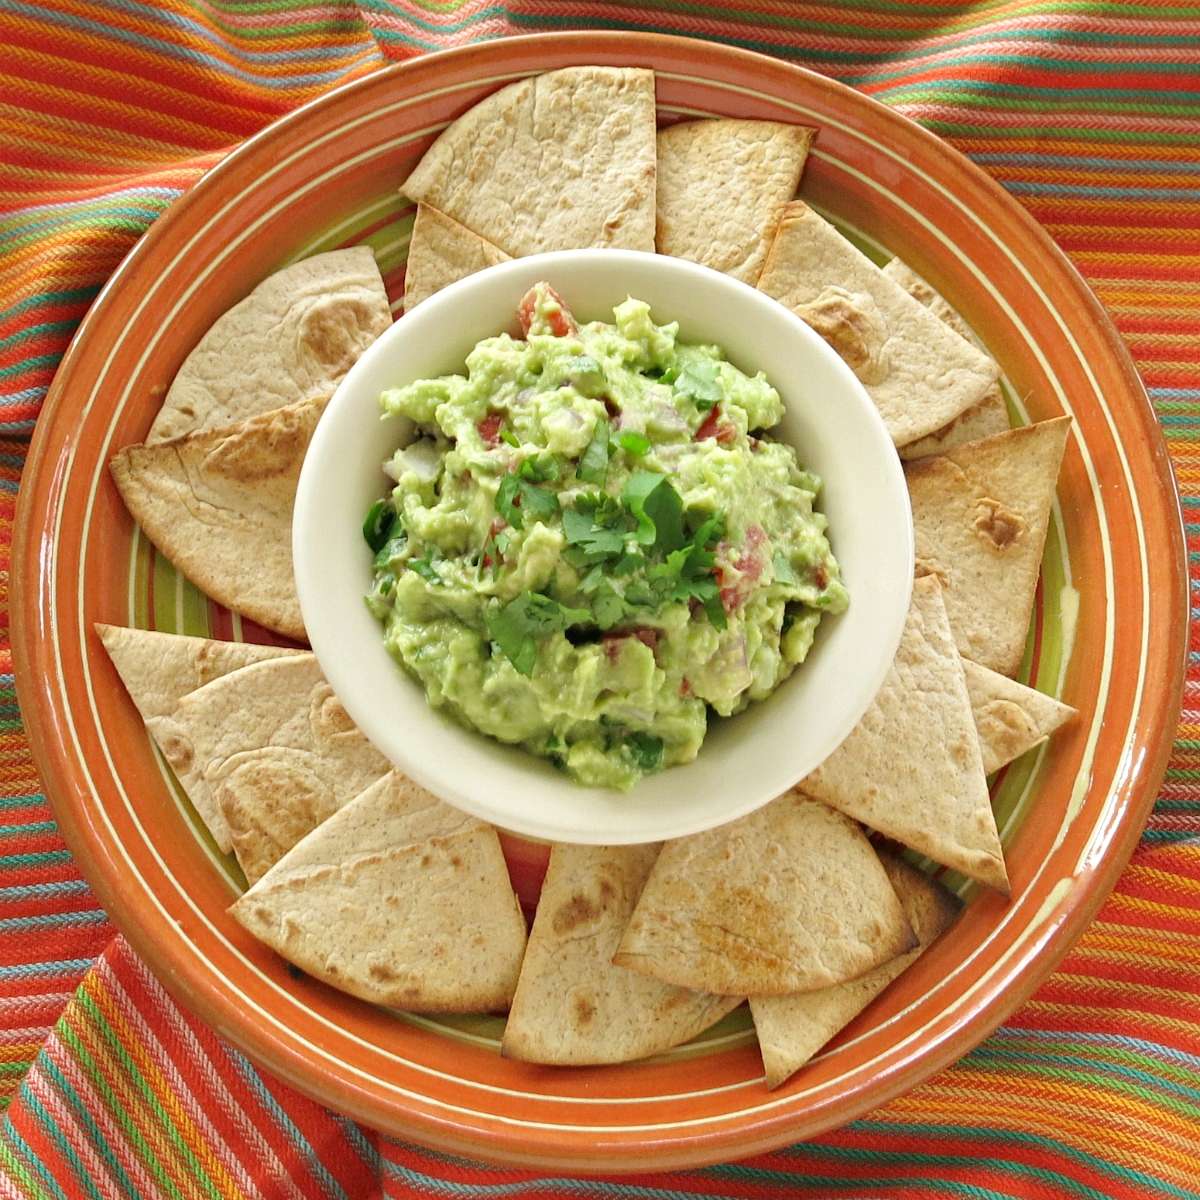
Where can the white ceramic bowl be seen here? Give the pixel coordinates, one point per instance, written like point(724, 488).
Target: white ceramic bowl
point(745, 761)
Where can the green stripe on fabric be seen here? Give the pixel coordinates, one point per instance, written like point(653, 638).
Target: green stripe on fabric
point(67, 296)
point(1009, 1137)
point(1053, 133)
point(51, 1128)
point(114, 1104)
point(152, 1102)
point(80, 1111)
point(35, 1162)
point(31, 1188)
point(33, 331)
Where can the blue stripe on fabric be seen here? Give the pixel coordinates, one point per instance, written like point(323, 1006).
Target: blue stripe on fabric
point(264, 1097)
point(16, 428)
point(183, 53)
point(1008, 1032)
point(1052, 1145)
point(59, 1138)
point(86, 219)
point(22, 801)
point(64, 966)
point(31, 828)
point(9, 485)
point(1075, 162)
point(32, 1160)
point(1174, 393)
point(1096, 192)
point(68, 206)
point(358, 1141)
point(91, 916)
point(79, 1110)
point(37, 858)
point(42, 891)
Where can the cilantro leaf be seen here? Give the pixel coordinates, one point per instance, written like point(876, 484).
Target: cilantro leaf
point(424, 566)
point(391, 549)
point(517, 626)
point(698, 381)
point(594, 540)
point(507, 435)
point(646, 750)
point(633, 442)
point(593, 466)
point(658, 509)
point(608, 606)
point(377, 524)
point(541, 467)
point(517, 498)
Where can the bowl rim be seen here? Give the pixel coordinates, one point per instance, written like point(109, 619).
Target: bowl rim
point(450, 759)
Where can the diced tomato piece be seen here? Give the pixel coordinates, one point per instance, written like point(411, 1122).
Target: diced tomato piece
point(561, 323)
point(487, 560)
point(820, 576)
point(614, 639)
point(714, 426)
point(489, 428)
point(685, 687)
point(708, 427)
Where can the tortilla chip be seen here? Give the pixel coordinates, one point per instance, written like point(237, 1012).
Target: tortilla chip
point(291, 339)
point(980, 513)
point(912, 767)
point(218, 504)
point(722, 185)
point(573, 1007)
point(789, 898)
point(441, 252)
point(270, 752)
point(981, 420)
point(559, 161)
point(791, 1029)
point(920, 373)
point(1010, 717)
point(397, 899)
point(159, 669)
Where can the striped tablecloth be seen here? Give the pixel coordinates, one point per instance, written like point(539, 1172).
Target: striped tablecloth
point(1088, 112)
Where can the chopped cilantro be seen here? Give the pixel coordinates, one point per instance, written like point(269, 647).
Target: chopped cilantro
point(646, 750)
point(658, 509)
point(377, 525)
point(633, 442)
point(424, 567)
point(517, 498)
point(507, 435)
point(517, 626)
point(698, 381)
point(594, 540)
point(391, 549)
point(541, 468)
point(593, 466)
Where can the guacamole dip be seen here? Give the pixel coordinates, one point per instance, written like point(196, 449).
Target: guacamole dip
point(592, 543)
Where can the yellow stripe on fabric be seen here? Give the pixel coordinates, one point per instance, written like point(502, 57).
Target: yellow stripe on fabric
point(190, 1146)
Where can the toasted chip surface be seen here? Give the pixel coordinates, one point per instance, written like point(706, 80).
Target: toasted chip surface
point(398, 899)
point(291, 339)
point(722, 185)
point(918, 371)
point(573, 1006)
point(980, 514)
point(989, 415)
point(559, 161)
point(788, 898)
point(440, 253)
point(271, 752)
point(912, 767)
point(219, 505)
point(1010, 717)
point(791, 1029)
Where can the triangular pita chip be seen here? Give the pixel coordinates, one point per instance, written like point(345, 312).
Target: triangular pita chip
point(791, 1029)
point(981, 420)
point(912, 768)
point(919, 372)
point(980, 513)
point(159, 669)
point(219, 504)
point(789, 898)
point(559, 161)
point(722, 185)
point(266, 754)
point(397, 899)
point(573, 1006)
point(293, 337)
point(441, 252)
point(1010, 717)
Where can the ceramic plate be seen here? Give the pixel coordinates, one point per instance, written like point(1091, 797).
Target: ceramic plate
point(1108, 634)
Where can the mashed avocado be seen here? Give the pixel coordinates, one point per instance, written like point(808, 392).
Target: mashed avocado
point(592, 543)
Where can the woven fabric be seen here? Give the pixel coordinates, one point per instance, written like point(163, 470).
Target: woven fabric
point(1089, 113)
